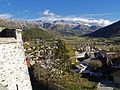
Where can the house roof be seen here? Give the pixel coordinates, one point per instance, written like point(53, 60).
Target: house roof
point(112, 53)
point(81, 55)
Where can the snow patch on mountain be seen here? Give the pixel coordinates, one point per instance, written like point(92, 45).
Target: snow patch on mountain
point(49, 16)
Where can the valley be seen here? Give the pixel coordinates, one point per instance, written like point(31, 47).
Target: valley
point(59, 54)
point(59, 44)
point(41, 46)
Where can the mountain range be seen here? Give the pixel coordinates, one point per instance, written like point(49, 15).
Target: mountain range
point(67, 28)
point(60, 26)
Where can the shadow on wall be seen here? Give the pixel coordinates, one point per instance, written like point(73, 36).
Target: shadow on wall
point(8, 33)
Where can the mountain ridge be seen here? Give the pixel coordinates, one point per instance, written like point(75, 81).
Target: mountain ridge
point(60, 26)
point(108, 31)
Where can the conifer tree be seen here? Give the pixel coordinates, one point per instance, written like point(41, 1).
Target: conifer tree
point(62, 55)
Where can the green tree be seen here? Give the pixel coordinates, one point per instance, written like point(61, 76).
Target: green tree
point(42, 74)
point(61, 53)
point(95, 64)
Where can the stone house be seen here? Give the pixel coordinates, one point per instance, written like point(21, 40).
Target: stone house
point(13, 68)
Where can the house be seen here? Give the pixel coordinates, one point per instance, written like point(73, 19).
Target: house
point(74, 68)
point(81, 56)
point(112, 55)
point(116, 62)
point(98, 54)
point(83, 67)
point(95, 55)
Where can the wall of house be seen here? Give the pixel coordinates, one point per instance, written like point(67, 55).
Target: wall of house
point(13, 69)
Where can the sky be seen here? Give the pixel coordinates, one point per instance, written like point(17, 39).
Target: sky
point(85, 9)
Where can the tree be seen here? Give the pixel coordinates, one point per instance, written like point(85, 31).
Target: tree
point(95, 64)
point(61, 53)
point(42, 74)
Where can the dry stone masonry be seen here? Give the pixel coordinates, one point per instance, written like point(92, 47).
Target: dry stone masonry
point(13, 69)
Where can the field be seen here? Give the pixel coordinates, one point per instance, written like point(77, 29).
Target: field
point(103, 43)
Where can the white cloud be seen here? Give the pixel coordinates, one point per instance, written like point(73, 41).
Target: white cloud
point(48, 13)
point(49, 16)
point(6, 15)
point(97, 14)
point(100, 22)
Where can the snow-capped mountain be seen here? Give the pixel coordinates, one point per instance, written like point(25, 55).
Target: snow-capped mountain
point(64, 27)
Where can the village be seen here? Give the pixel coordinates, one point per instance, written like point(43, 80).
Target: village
point(100, 65)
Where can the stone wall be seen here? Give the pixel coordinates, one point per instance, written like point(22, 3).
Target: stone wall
point(13, 69)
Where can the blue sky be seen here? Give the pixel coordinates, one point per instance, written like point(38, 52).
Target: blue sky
point(32, 9)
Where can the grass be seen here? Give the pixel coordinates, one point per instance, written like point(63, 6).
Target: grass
point(37, 33)
point(97, 42)
point(76, 82)
point(76, 40)
point(66, 80)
